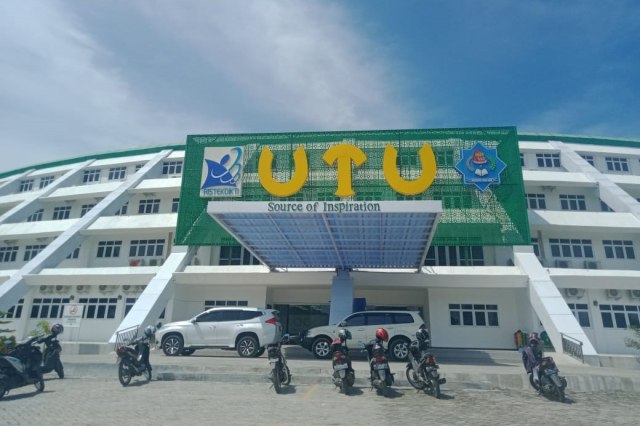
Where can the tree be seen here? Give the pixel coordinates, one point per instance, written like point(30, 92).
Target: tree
point(6, 342)
point(634, 343)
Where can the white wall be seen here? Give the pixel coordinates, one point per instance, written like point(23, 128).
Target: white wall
point(445, 335)
point(189, 299)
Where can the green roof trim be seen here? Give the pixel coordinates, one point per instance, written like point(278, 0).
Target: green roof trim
point(113, 154)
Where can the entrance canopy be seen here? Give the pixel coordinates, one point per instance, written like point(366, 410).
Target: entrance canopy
point(332, 234)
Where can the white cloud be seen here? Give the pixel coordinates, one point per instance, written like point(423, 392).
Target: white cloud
point(280, 66)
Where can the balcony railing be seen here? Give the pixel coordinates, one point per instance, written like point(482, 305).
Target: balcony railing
point(572, 347)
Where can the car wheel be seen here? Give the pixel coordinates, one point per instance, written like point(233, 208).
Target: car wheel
point(247, 346)
point(399, 349)
point(321, 348)
point(172, 345)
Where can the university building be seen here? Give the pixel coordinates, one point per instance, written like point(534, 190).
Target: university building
point(485, 231)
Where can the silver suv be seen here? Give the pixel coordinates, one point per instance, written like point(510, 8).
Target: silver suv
point(401, 326)
point(248, 330)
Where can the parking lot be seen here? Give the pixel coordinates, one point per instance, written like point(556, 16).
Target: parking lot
point(75, 401)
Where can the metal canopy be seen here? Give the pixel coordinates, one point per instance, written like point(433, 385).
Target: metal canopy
point(323, 234)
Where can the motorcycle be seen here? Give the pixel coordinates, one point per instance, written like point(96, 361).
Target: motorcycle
point(51, 355)
point(550, 382)
point(133, 360)
point(280, 374)
point(21, 367)
point(381, 376)
point(422, 369)
point(343, 375)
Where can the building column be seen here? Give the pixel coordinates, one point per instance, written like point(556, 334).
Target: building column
point(341, 296)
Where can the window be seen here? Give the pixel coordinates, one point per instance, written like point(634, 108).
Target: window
point(208, 304)
point(91, 176)
point(60, 213)
point(85, 209)
point(8, 254)
point(355, 320)
point(109, 248)
point(521, 159)
point(32, 251)
point(141, 248)
point(36, 216)
point(617, 164)
point(74, 254)
point(128, 304)
point(572, 202)
point(548, 160)
point(48, 307)
point(236, 255)
point(605, 207)
point(117, 173)
point(588, 159)
point(619, 316)
point(172, 167)
point(618, 249)
point(455, 256)
point(581, 312)
point(175, 203)
point(139, 166)
point(536, 201)
point(565, 247)
point(472, 314)
point(26, 185)
point(16, 310)
point(45, 181)
point(536, 246)
point(99, 308)
point(149, 206)
point(123, 210)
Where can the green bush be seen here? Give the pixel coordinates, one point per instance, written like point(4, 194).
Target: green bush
point(633, 343)
point(6, 342)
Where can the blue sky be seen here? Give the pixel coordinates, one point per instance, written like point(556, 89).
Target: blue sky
point(79, 78)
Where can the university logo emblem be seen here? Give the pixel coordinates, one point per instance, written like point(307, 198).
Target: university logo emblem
point(480, 166)
point(222, 172)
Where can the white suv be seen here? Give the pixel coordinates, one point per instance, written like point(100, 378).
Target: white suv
point(248, 330)
point(401, 326)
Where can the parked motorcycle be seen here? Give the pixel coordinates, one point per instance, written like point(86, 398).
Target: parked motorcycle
point(51, 353)
point(550, 383)
point(343, 375)
point(280, 374)
point(422, 369)
point(21, 367)
point(380, 373)
point(133, 357)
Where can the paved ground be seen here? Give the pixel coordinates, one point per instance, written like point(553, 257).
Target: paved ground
point(73, 401)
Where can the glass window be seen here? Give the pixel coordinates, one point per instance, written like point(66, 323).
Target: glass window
point(618, 249)
point(36, 216)
point(617, 164)
point(49, 307)
point(473, 315)
point(85, 209)
point(117, 173)
point(548, 160)
point(90, 176)
point(32, 251)
point(26, 185)
point(354, 320)
point(172, 167)
point(141, 248)
point(16, 310)
point(236, 255)
point(109, 248)
point(588, 159)
point(8, 254)
point(378, 318)
point(175, 203)
point(402, 319)
point(60, 213)
point(45, 181)
point(149, 206)
point(99, 307)
point(572, 202)
point(536, 201)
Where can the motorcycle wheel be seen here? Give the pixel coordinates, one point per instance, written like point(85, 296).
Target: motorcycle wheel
point(147, 374)
point(124, 373)
point(344, 387)
point(560, 394)
point(59, 369)
point(39, 384)
point(286, 375)
point(3, 387)
point(275, 378)
point(533, 383)
point(413, 379)
point(435, 389)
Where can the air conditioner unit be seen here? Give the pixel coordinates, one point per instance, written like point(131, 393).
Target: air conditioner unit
point(140, 288)
point(613, 294)
point(590, 264)
point(634, 294)
point(62, 288)
point(574, 292)
point(46, 289)
point(127, 288)
point(135, 262)
point(107, 288)
point(82, 288)
point(155, 262)
point(562, 263)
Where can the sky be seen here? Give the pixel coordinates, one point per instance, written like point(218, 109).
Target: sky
point(87, 77)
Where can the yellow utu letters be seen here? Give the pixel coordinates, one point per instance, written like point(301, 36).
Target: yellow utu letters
point(344, 156)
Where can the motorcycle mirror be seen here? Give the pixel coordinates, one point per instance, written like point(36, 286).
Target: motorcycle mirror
point(158, 325)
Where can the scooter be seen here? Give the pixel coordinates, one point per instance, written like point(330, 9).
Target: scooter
point(21, 367)
point(133, 358)
point(343, 375)
point(51, 355)
point(280, 374)
point(381, 376)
